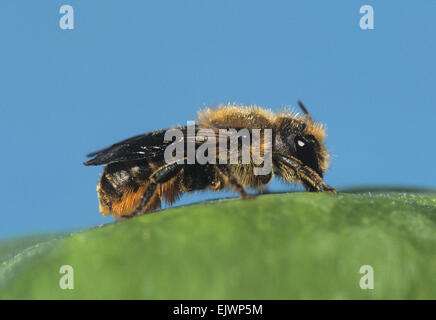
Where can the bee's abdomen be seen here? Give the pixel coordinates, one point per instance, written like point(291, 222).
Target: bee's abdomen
point(121, 187)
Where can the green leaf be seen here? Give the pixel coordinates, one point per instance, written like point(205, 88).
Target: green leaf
point(278, 246)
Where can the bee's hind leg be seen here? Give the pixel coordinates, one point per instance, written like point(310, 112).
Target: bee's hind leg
point(161, 175)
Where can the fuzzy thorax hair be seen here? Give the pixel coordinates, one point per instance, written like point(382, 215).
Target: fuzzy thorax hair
point(256, 117)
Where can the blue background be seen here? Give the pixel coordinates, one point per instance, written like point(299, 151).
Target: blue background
point(130, 67)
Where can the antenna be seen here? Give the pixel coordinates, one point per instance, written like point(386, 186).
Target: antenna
point(305, 111)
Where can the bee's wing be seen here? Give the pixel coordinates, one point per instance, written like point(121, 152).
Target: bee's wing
point(144, 146)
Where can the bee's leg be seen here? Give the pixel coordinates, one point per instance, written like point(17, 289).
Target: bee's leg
point(161, 175)
point(231, 180)
point(311, 180)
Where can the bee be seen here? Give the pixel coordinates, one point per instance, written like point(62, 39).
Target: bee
point(136, 177)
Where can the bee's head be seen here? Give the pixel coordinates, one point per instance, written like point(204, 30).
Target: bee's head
point(302, 138)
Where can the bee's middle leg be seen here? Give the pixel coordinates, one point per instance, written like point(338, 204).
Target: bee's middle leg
point(231, 180)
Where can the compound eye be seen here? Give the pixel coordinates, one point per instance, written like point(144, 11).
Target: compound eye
point(305, 152)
